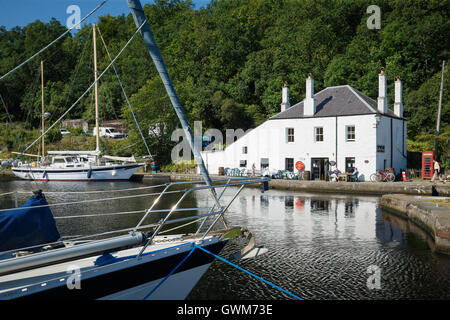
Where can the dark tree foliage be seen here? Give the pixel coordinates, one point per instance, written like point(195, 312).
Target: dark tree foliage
point(229, 61)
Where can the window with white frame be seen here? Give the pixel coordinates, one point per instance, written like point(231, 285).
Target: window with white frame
point(290, 134)
point(289, 164)
point(350, 133)
point(318, 134)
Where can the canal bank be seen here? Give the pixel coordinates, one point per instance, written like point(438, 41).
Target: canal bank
point(373, 188)
point(425, 188)
point(430, 213)
point(416, 201)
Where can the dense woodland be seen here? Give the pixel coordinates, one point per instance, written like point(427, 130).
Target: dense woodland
point(229, 61)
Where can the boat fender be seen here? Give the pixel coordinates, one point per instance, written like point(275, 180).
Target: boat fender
point(104, 259)
point(89, 173)
point(44, 174)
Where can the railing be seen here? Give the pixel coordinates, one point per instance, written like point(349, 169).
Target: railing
point(241, 182)
point(198, 216)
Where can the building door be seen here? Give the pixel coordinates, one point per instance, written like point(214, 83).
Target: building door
point(318, 170)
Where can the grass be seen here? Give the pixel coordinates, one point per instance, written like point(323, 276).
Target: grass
point(441, 202)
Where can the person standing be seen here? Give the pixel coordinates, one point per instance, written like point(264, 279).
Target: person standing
point(437, 169)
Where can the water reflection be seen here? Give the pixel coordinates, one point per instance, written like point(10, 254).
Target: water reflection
point(289, 203)
point(319, 205)
point(115, 211)
point(386, 231)
point(320, 245)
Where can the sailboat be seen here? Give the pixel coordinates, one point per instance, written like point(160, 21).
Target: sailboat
point(36, 262)
point(77, 165)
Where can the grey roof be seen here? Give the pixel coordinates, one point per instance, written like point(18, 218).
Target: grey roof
point(336, 101)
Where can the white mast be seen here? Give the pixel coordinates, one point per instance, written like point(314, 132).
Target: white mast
point(96, 96)
point(42, 105)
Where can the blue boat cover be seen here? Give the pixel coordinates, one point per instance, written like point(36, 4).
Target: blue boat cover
point(28, 226)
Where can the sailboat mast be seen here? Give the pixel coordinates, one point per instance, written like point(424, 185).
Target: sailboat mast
point(96, 94)
point(42, 107)
point(139, 18)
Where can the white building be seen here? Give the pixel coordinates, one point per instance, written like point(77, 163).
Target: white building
point(337, 124)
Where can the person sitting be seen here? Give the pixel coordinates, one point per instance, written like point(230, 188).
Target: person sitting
point(354, 176)
point(334, 174)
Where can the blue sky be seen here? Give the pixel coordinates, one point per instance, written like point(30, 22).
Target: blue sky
point(22, 12)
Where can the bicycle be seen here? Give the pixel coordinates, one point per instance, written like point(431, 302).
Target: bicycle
point(382, 176)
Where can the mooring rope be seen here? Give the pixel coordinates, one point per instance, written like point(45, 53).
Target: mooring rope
point(170, 273)
point(195, 246)
point(249, 273)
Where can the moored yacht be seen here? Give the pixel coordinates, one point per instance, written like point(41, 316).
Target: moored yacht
point(77, 166)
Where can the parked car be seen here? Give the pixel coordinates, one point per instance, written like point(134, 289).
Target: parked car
point(64, 131)
point(109, 132)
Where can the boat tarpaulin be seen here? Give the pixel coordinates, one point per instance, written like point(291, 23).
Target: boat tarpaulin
point(27, 225)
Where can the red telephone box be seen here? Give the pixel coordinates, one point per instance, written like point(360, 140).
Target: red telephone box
point(427, 164)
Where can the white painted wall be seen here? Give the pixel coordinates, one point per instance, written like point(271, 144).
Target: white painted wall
point(269, 140)
point(398, 129)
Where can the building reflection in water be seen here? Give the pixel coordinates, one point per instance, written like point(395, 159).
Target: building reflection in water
point(387, 232)
point(348, 216)
point(319, 205)
point(289, 202)
point(264, 201)
point(350, 207)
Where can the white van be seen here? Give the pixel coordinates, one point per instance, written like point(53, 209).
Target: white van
point(109, 132)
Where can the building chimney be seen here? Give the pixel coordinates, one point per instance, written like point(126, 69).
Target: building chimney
point(285, 104)
point(398, 104)
point(382, 90)
point(309, 105)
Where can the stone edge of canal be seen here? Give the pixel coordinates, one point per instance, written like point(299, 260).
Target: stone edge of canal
point(407, 199)
point(430, 216)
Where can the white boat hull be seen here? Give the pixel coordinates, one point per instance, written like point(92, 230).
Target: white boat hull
point(127, 278)
point(184, 282)
point(95, 173)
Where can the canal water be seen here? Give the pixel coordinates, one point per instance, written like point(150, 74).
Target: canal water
point(320, 245)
